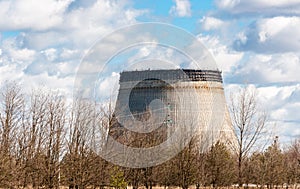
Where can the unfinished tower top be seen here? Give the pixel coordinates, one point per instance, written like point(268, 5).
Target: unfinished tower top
point(173, 74)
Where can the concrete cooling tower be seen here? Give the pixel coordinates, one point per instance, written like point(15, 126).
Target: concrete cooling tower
point(153, 105)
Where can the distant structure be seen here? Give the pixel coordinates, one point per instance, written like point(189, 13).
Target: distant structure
point(166, 100)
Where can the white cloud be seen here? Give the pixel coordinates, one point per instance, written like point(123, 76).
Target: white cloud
point(259, 6)
point(227, 4)
point(44, 40)
point(55, 35)
point(182, 8)
point(102, 12)
point(12, 53)
point(282, 104)
point(211, 23)
point(70, 54)
point(50, 54)
point(9, 72)
point(81, 27)
point(278, 34)
point(64, 85)
point(108, 86)
point(156, 57)
point(277, 68)
point(32, 14)
point(225, 58)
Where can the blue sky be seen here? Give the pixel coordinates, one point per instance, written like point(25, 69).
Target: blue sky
point(253, 41)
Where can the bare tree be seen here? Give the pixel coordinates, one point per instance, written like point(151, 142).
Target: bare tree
point(248, 122)
point(35, 131)
point(76, 163)
point(11, 111)
point(54, 134)
point(292, 163)
point(11, 115)
point(81, 165)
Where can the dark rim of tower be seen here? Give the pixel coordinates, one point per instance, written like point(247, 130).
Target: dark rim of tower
point(174, 74)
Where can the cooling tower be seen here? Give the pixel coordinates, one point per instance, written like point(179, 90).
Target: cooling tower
point(152, 104)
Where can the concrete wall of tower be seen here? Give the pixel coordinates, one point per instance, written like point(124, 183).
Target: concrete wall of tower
point(194, 101)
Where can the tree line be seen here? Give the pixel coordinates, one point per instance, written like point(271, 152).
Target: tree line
point(45, 142)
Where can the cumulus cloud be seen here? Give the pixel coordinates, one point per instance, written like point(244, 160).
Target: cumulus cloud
point(32, 14)
point(211, 23)
point(182, 8)
point(282, 104)
point(266, 7)
point(107, 87)
point(268, 69)
point(270, 35)
point(55, 35)
point(13, 52)
point(157, 57)
point(81, 27)
point(225, 57)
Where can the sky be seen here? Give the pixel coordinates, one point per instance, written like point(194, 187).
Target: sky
point(255, 42)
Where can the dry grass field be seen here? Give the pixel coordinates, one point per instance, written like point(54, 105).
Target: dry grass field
point(194, 187)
